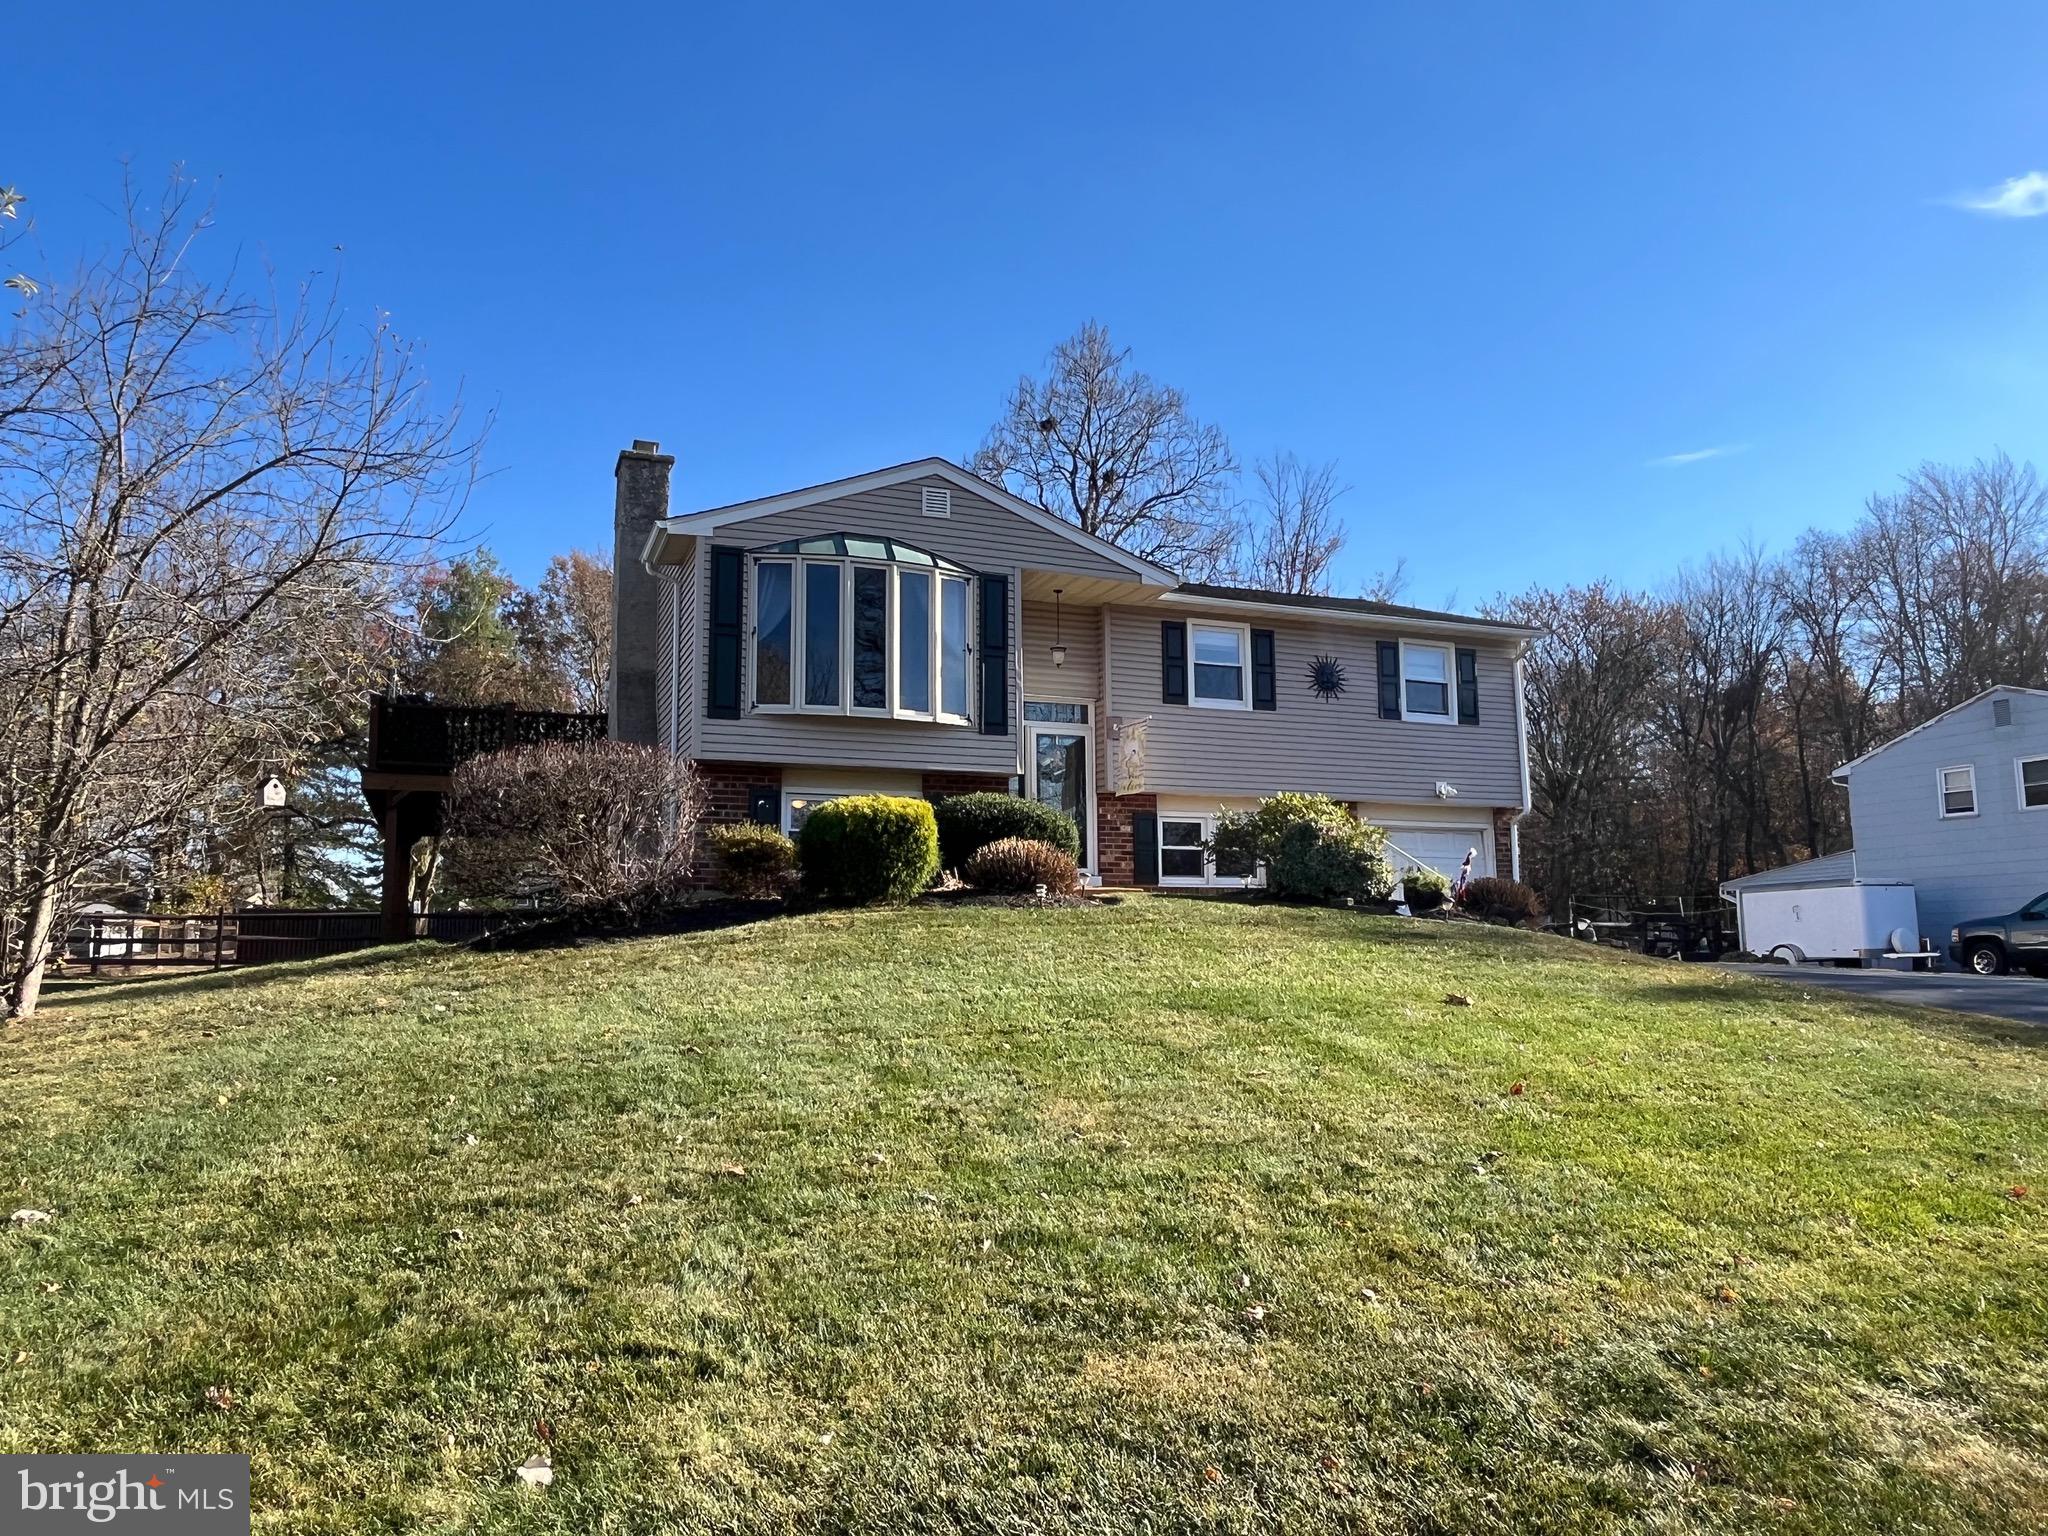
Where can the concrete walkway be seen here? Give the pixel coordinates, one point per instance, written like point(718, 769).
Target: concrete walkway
point(2021, 998)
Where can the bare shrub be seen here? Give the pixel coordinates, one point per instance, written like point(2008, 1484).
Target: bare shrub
point(1501, 901)
point(1021, 864)
point(597, 825)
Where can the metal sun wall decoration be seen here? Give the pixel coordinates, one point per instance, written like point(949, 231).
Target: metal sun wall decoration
point(1326, 677)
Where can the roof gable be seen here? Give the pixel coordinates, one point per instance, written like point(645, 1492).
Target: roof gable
point(1929, 724)
point(714, 518)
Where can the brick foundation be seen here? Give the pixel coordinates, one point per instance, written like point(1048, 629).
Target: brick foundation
point(1504, 842)
point(1115, 849)
point(937, 786)
point(727, 789)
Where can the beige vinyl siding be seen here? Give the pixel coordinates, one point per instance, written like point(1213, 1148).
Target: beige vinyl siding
point(979, 536)
point(1339, 747)
point(667, 657)
point(1080, 630)
point(689, 656)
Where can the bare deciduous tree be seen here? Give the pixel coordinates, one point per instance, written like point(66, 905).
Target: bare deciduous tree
point(204, 499)
point(1293, 536)
point(1117, 453)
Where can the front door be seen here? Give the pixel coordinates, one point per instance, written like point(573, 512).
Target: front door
point(1061, 776)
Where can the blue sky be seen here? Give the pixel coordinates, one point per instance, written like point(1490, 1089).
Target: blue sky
point(1503, 262)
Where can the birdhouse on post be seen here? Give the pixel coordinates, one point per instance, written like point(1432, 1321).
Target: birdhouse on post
point(271, 793)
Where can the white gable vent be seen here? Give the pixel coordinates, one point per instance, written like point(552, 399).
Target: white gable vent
point(938, 501)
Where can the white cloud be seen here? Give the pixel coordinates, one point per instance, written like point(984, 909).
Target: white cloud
point(1675, 460)
point(2021, 197)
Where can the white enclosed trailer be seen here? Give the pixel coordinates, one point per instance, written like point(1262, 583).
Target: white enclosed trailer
point(1838, 919)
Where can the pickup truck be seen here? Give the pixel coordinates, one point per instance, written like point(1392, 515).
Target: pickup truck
point(1991, 946)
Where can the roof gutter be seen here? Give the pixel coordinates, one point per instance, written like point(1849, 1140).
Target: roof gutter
point(1518, 632)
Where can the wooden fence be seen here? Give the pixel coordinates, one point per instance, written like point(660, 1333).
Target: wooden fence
point(121, 943)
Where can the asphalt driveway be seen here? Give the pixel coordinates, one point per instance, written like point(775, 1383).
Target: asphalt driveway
point(2022, 998)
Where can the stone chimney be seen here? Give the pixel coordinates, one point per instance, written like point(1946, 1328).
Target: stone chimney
point(642, 475)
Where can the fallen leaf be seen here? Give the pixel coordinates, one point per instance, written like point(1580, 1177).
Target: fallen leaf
point(1214, 1474)
point(1457, 1000)
point(1518, 1088)
point(535, 1472)
point(21, 1357)
point(1726, 1296)
point(879, 1159)
point(26, 1217)
point(1255, 1314)
point(2017, 1192)
point(1330, 1463)
point(734, 1170)
point(633, 1200)
point(220, 1399)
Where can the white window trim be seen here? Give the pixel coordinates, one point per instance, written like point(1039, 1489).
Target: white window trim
point(1032, 729)
point(2019, 780)
point(799, 610)
point(1244, 670)
point(1209, 879)
point(1450, 656)
point(1941, 792)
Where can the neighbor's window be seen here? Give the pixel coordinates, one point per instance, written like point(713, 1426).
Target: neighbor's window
point(774, 619)
point(1220, 652)
point(1959, 791)
point(2033, 783)
point(1425, 682)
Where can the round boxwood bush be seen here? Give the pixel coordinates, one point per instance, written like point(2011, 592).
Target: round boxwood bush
point(1501, 901)
point(969, 823)
point(1021, 864)
point(754, 862)
point(1426, 889)
point(868, 848)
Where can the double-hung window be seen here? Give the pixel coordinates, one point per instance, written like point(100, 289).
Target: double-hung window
point(1185, 857)
point(850, 625)
point(1221, 665)
point(1959, 791)
point(1426, 683)
point(2033, 777)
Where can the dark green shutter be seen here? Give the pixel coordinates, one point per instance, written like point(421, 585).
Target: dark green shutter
point(1390, 680)
point(1173, 662)
point(1468, 686)
point(1265, 686)
point(761, 806)
point(728, 631)
point(995, 655)
point(1145, 848)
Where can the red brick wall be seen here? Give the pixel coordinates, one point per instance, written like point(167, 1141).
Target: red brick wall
point(1115, 852)
point(1503, 842)
point(726, 788)
point(939, 785)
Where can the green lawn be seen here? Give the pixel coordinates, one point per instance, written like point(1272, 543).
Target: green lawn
point(1166, 1216)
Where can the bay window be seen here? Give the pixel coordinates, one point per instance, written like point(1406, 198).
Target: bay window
point(844, 624)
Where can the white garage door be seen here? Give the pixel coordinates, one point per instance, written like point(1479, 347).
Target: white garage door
point(1441, 848)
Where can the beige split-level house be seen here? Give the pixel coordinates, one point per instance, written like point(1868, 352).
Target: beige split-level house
point(919, 631)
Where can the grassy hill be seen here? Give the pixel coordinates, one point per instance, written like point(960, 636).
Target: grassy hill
point(1171, 1215)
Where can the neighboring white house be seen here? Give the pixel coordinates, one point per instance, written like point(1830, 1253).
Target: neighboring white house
point(1957, 806)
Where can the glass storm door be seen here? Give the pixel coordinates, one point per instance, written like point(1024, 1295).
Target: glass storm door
point(1060, 778)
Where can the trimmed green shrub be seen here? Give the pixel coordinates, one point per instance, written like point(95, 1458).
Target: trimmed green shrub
point(1021, 864)
point(1313, 849)
point(754, 862)
point(969, 823)
point(1426, 889)
point(1501, 901)
point(868, 848)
